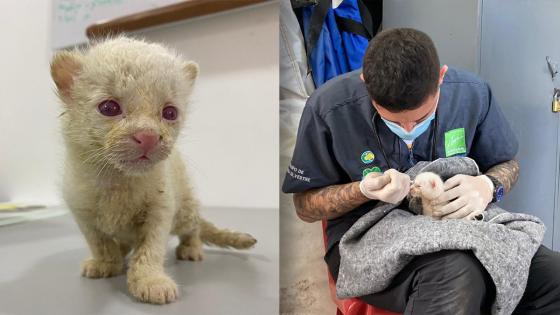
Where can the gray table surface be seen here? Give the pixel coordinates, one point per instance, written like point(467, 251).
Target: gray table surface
point(39, 271)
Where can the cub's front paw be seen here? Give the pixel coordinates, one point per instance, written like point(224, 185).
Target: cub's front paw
point(189, 252)
point(156, 289)
point(92, 268)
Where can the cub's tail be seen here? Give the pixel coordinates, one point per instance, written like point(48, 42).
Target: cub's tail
point(210, 234)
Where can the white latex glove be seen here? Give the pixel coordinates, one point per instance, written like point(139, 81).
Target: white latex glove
point(464, 197)
point(391, 186)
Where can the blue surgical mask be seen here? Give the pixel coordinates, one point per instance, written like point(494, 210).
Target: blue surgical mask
point(414, 133)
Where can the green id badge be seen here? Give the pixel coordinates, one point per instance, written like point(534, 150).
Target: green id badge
point(455, 142)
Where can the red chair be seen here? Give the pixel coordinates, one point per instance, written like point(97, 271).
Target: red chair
point(353, 306)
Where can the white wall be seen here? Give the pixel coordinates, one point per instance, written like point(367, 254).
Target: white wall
point(230, 143)
point(29, 144)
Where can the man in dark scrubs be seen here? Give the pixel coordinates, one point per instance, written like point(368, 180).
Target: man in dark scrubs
point(361, 131)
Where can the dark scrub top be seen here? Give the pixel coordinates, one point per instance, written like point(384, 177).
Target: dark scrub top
point(337, 143)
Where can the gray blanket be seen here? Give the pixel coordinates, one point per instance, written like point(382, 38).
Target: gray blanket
point(385, 239)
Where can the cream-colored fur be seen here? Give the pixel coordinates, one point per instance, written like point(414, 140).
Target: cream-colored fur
point(428, 186)
point(123, 207)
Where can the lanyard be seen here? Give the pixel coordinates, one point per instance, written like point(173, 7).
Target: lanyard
point(432, 135)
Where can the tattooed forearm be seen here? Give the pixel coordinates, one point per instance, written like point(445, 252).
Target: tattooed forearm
point(507, 173)
point(328, 202)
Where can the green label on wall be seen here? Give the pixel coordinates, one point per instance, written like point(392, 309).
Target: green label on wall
point(455, 142)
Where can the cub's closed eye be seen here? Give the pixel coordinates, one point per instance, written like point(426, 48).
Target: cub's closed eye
point(169, 113)
point(109, 108)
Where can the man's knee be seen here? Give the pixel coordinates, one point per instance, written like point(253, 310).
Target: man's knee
point(542, 293)
point(452, 266)
point(446, 282)
point(545, 267)
point(464, 267)
point(454, 278)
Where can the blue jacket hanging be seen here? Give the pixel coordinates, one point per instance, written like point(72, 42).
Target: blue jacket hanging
point(336, 38)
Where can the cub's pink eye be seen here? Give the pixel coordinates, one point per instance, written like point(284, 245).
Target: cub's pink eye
point(109, 108)
point(169, 113)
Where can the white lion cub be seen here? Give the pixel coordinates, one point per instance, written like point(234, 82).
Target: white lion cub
point(124, 102)
point(428, 186)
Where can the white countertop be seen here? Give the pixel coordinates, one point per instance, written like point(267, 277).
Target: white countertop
point(39, 271)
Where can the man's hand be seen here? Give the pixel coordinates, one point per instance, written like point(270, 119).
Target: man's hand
point(464, 196)
point(391, 186)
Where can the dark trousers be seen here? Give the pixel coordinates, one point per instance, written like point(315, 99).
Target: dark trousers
point(454, 282)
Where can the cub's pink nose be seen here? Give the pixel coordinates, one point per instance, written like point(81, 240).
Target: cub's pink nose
point(146, 140)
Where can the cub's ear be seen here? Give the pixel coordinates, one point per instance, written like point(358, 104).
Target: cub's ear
point(65, 66)
point(190, 69)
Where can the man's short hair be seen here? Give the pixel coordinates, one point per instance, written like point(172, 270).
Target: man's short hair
point(401, 68)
